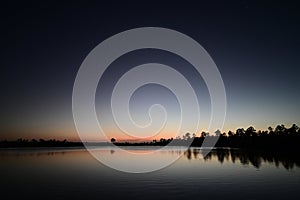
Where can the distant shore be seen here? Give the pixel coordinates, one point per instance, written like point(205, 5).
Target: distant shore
point(262, 143)
point(278, 138)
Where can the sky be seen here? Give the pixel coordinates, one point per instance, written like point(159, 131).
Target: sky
point(255, 45)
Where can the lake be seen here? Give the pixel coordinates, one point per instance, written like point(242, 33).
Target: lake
point(73, 173)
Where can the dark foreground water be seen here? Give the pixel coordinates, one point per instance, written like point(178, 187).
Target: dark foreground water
point(75, 174)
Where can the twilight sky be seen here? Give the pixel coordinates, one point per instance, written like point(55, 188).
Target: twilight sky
point(255, 45)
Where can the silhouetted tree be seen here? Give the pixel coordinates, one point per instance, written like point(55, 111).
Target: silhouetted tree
point(240, 132)
point(250, 131)
point(187, 135)
point(203, 134)
point(113, 140)
point(218, 132)
point(280, 129)
point(293, 130)
point(270, 129)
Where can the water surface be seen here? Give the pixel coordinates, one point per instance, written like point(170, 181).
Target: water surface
point(73, 173)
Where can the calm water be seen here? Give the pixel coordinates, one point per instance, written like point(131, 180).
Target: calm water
point(74, 173)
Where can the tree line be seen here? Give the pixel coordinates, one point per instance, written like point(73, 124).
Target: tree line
point(38, 143)
point(278, 137)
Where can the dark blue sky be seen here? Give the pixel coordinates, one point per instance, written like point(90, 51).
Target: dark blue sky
point(255, 45)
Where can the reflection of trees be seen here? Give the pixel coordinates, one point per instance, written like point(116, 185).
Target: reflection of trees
point(287, 159)
point(222, 155)
point(196, 153)
point(255, 161)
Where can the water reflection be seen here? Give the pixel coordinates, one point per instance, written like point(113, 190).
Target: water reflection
point(288, 160)
point(74, 174)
